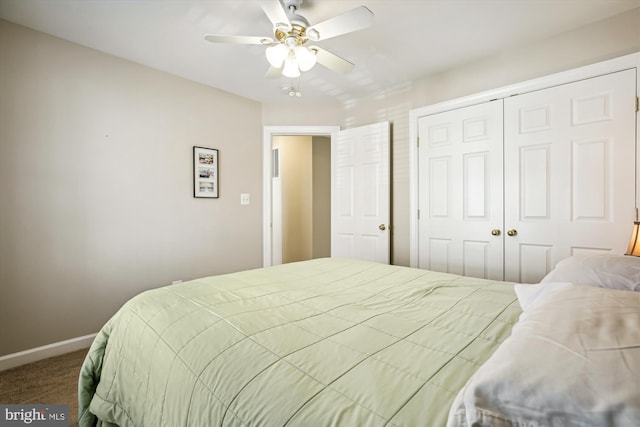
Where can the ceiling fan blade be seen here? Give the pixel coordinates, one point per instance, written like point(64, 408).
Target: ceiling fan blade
point(273, 73)
point(214, 38)
point(353, 20)
point(276, 14)
point(332, 61)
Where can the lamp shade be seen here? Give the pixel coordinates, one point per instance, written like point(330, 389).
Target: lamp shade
point(290, 68)
point(634, 244)
point(276, 55)
point(306, 59)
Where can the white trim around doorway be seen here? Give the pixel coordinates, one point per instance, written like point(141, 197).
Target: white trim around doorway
point(267, 135)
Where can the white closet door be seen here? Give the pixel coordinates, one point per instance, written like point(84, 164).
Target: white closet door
point(570, 173)
point(461, 194)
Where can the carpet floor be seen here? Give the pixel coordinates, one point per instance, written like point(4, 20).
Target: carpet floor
point(50, 381)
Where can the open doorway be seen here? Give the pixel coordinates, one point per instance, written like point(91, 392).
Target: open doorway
point(301, 198)
point(296, 193)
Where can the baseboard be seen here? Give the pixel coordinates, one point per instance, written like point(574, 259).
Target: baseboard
point(50, 350)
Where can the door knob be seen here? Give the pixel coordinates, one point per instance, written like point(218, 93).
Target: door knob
point(382, 227)
point(512, 232)
point(495, 232)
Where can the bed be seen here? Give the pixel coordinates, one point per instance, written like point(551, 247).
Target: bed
point(354, 343)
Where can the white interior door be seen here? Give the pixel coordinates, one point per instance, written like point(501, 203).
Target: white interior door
point(461, 193)
point(360, 193)
point(570, 168)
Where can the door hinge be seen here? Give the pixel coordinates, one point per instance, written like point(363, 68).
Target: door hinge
point(636, 104)
point(418, 139)
point(418, 214)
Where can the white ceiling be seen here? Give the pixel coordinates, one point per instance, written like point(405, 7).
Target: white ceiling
point(409, 39)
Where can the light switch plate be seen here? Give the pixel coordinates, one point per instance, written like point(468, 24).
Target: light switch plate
point(244, 199)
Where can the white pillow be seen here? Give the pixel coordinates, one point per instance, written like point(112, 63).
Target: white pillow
point(573, 360)
point(527, 294)
point(605, 271)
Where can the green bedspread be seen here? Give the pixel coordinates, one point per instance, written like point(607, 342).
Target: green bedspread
point(314, 343)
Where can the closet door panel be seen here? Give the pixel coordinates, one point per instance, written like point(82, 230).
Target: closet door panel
point(460, 166)
point(569, 173)
point(535, 178)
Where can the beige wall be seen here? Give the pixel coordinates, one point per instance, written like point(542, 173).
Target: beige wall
point(321, 196)
point(96, 196)
point(297, 202)
point(607, 39)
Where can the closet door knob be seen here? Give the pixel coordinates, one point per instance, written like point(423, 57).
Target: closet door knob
point(382, 227)
point(495, 232)
point(512, 232)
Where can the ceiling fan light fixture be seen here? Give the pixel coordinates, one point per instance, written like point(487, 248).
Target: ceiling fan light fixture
point(290, 68)
point(306, 58)
point(276, 55)
point(285, 50)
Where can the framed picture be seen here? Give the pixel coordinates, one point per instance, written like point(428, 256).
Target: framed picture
point(205, 172)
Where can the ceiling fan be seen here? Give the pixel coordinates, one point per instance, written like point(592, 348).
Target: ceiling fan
point(287, 52)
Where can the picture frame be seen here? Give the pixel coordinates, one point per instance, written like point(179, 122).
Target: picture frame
point(205, 172)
